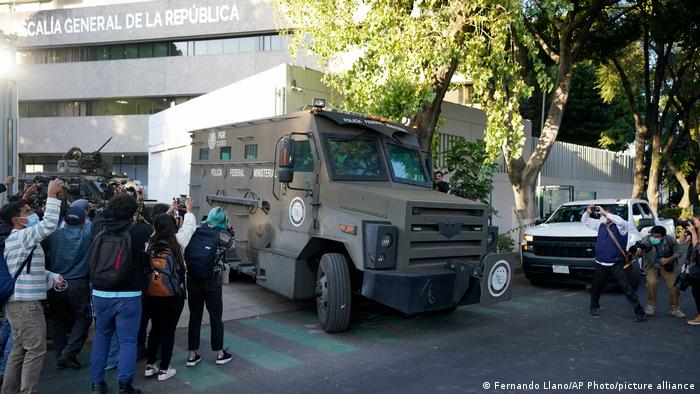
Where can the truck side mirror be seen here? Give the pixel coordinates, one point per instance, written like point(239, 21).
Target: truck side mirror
point(285, 160)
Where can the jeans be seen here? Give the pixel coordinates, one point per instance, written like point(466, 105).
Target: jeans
point(29, 339)
point(164, 312)
point(113, 355)
point(201, 292)
point(600, 277)
point(696, 295)
point(120, 317)
point(5, 343)
point(70, 318)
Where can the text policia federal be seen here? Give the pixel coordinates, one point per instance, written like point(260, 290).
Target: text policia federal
point(593, 385)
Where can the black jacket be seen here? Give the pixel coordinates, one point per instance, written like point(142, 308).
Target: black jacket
point(140, 233)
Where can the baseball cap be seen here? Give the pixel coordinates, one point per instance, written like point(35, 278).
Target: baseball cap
point(82, 204)
point(75, 216)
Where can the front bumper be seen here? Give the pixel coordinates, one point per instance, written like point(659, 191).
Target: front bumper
point(581, 269)
point(456, 283)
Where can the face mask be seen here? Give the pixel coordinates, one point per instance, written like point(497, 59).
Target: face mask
point(654, 241)
point(32, 220)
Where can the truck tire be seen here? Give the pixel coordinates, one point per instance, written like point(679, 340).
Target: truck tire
point(333, 293)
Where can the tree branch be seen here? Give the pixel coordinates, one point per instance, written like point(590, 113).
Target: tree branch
point(626, 85)
point(543, 44)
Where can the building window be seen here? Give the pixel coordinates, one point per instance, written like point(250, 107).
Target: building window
point(251, 152)
point(225, 153)
point(106, 107)
point(34, 168)
point(204, 154)
point(261, 43)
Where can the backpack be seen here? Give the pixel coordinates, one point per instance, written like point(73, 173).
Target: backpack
point(163, 276)
point(7, 281)
point(111, 260)
point(201, 254)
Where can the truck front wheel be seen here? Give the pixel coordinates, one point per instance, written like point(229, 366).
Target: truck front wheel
point(333, 292)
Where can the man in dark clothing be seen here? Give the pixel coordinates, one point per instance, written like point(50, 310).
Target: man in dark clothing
point(118, 308)
point(70, 309)
point(440, 185)
point(609, 257)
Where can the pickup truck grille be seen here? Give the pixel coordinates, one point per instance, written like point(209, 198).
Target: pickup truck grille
point(564, 246)
point(428, 246)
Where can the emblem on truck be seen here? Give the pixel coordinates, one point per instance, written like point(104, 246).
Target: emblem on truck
point(212, 140)
point(498, 278)
point(297, 211)
point(449, 230)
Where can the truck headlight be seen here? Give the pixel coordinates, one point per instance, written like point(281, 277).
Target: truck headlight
point(387, 240)
point(380, 241)
point(528, 238)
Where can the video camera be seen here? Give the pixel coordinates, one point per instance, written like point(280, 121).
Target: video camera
point(637, 246)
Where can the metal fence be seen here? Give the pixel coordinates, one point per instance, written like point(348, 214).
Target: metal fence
point(568, 161)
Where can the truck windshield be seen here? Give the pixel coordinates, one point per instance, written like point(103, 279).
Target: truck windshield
point(573, 213)
point(406, 165)
point(355, 158)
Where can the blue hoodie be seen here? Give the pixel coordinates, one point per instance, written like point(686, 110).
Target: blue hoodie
point(70, 249)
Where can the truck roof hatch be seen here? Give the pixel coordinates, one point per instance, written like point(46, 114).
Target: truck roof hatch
point(349, 119)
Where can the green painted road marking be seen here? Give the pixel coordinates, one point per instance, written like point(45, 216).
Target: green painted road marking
point(255, 353)
point(316, 340)
point(201, 377)
point(530, 298)
point(374, 333)
point(514, 304)
point(482, 310)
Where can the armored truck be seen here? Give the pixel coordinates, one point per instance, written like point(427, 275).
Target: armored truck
point(328, 204)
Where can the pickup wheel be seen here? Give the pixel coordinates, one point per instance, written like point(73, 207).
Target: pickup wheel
point(333, 293)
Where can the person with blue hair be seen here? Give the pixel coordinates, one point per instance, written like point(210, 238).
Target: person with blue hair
point(206, 289)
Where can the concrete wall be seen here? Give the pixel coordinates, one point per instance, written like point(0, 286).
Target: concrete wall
point(59, 134)
point(161, 76)
point(266, 94)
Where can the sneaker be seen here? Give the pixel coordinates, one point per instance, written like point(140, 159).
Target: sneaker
point(695, 322)
point(640, 318)
point(99, 388)
point(165, 375)
point(222, 359)
point(595, 311)
point(128, 388)
point(191, 362)
point(151, 370)
point(677, 313)
point(649, 310)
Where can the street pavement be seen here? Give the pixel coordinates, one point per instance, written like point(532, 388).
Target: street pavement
point(544, 336)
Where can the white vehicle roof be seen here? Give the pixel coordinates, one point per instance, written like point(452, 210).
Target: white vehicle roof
point(606, 201)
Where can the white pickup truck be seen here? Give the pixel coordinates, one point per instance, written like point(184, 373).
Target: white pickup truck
point(562, 249)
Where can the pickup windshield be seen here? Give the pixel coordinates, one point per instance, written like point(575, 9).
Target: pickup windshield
point(573, 213)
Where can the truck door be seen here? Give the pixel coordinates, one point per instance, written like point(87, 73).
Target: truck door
point(296, 202)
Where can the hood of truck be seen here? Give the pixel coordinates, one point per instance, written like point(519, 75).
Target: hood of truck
point(433, 228)
point(376, 200)
point(573, 229)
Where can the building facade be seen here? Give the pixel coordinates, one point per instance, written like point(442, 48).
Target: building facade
point(91, 70)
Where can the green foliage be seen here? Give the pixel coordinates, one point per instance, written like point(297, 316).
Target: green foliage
point(670, 212)
point(387, 57)
point(505, 243)
point(471, 172)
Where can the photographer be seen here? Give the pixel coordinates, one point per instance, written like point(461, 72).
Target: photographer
point(661, 252)
point(690, 236)
point(24, 309)
point(610, 257)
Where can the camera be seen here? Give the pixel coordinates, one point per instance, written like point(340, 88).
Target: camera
point(682, 223)
point(637, 246)
point(682, 282)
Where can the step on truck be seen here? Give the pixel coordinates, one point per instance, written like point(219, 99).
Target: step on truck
point(328, 204)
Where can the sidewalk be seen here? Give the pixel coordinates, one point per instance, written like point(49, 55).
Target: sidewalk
point(243, 298)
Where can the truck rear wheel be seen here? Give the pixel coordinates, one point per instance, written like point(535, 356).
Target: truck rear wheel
point(333, 292)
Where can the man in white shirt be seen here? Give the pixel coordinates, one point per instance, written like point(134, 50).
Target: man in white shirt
point(609, 257)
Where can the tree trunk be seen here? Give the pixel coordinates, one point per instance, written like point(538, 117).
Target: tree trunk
point(523, 177)
point(427, 119)
point(641, 143)
point(685, 201)
point(654, 168)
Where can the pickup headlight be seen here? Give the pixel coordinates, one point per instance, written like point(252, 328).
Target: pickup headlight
point(528, 238)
